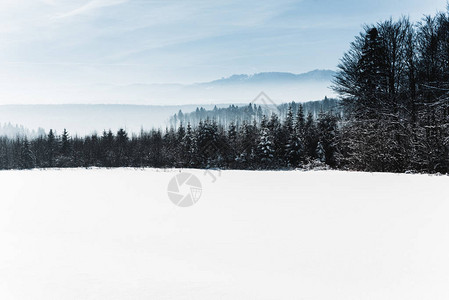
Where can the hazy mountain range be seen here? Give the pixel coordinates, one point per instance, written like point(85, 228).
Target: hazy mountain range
point(242, 88)
point(274, 78)
point(238, 88)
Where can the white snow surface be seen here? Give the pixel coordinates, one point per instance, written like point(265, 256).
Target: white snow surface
point(114, 234)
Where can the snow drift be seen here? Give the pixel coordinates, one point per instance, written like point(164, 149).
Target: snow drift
point(114, 234)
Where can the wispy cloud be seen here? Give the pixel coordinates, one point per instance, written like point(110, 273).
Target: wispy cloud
point(60, 42)
point(90, 6)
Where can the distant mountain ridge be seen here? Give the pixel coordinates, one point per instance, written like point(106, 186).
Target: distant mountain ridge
point(237, 88)
point(274, 77)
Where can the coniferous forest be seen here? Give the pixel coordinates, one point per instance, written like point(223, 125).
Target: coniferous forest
point(393, 116)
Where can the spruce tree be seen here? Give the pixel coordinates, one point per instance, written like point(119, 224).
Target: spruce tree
point(65, 143)
point(27, 160)
point(328, 138)
point(311, 138)
point(51, 149)
point(121, 148)
point(265, 149)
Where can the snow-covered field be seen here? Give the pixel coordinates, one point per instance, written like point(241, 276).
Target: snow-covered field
point(114, 234)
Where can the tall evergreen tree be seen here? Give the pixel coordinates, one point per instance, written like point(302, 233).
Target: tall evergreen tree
point(328, 138)
point(65, 143)
point(27, 160)
point(51, 149)
point(311, 138)
point(265, 149)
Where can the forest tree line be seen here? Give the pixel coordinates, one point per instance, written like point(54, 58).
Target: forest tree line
point(253, 111)
point(268, 144)
point(394, 86)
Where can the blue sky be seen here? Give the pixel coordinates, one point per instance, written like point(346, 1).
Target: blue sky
point(66, 44)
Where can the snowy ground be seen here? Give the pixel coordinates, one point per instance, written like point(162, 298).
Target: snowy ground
point(114, 234)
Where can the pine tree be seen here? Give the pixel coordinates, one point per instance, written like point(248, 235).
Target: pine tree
point(64, 159)
point(293, 141)
point(27, 160)
point(188, 147)
point(311, 138)
point(121, 148)
point(51, 149)
point(294, 150)
point(65, 143)
point(265, 149)
point(208, 144)
point(300, 122)
point(233, 149)
point(274, 126)
point(246, 148)
point(328, 138)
